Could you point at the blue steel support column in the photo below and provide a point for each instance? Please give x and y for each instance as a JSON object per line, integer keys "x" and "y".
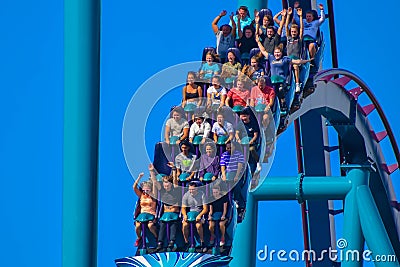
{"x": 376, "y": 237}
{"x": 244, "y": 243}
{"x": 81, "y": 120}
{"x": 316, "y": 163}
{"x": 352, "y": 232}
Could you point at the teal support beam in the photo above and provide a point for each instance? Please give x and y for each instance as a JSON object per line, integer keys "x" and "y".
{"x": 245, "y": 241}
{"x": 376, "y": 237}
{"x": 292, "y": 188}
{"x": 352, "y": 232}
{"x": 81, "y": 120}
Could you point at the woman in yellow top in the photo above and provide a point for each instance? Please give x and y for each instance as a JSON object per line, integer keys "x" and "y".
{"x": 147, "y": 206}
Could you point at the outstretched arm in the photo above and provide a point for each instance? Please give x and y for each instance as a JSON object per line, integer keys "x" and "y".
{"x": 239, "y": 27}
{"x": 322, "y": 13}
{"x": 262, "y": 48}
{"x": 284, "y": 13}
{"x": 276, "y": 18}
{"x": 257, "y": 20}
{"x": 289, "y": 12}
{"x": 135, "y": 185}
{"x": 214, "y": 23}
{"x": 301, "y": 61}
{"x": 156, "y": 184}
{"x": 300, "y": 14}
{"x": 174, "y": 173}
{"x": 233, "y": 32}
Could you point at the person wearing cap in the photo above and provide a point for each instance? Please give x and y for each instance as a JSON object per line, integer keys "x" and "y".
{"x": 200, "y": 128}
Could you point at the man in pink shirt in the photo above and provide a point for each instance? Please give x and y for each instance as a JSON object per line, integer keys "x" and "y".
{"x": 262, "y": 96}
{"x": 240, "y": 95}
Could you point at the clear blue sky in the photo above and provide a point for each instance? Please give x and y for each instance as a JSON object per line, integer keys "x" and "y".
{"x": 138, "y": 39}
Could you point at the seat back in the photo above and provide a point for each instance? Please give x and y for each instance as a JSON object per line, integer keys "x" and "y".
{"x": 206, "y": 50}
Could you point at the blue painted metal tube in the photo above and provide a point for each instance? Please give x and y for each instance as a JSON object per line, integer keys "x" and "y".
{"x": 244, "y": 244}
{"x": 288, "y": 188}
{"x": 376, "y": 237}
{"x": 81, "y": 119}
{"x": 352, "y": 233}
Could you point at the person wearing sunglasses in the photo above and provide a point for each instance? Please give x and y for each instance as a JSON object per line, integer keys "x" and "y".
{"x": 147, "y": 205}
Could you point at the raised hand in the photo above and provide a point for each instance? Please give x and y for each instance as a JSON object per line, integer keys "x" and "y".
{"x": 290, "y": 11}
{"x": 223, "y": 13}
{"x": 151, "y": 167}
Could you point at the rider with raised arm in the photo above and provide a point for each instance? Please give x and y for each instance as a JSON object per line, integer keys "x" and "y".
{"x": 147, "y": 205}
{"x": 294, "y": 43}
{"x": 311, "y": 27}
{"x": 280, "y": 70}
{"x": 242, "y": 19}
{"x": 225, "y": 34}
{"x": 273, "y": 36}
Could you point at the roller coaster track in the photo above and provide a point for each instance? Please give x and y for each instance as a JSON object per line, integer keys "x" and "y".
{"x": 336, "y": 100}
